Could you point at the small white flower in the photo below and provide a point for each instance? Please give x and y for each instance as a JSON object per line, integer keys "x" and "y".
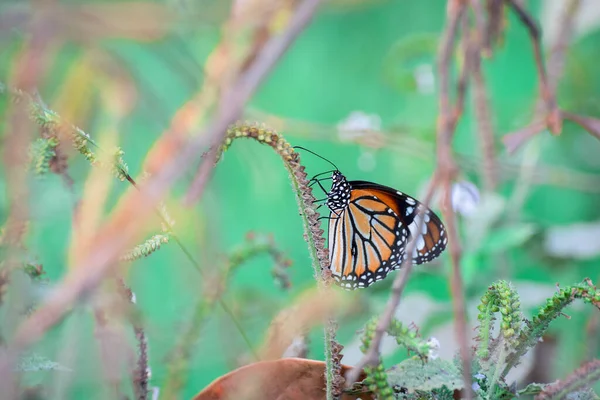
{"x": 479, "y": 376}
{"x": 357, "y": 124}
{"x": 425, "y": 78}
{"x": 465, "y": 198}
{"x": 434, "y": 346}
{"x": 475, "y": 386}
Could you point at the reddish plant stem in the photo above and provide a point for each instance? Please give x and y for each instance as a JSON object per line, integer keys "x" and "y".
{"x": 447, "y": 121}
{"x": 590, "y": 124}
{"x": 516, "y": 139}
{"x": 371, "y": 357}
{"x": 248, "y": 82}
{"x": 449, "y": 117}
{"x": 484, "y": 127}
{"x": 553, "y": 120}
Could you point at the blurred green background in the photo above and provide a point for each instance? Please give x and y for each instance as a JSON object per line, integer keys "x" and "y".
{"x": 372, "y": 57}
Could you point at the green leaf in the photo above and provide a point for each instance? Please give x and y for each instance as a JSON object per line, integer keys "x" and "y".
{"x": 402, "y": 61}
{"x": 532, "y": 388}
{"x": 413, "y": 375}
{"x": 507, "y": 237}
{"x": 34, "y": 362}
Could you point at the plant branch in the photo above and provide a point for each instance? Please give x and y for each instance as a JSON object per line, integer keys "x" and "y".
{"x": 553, "y": 120}
{"x": 310, "y": 217}
{"x": 590, "y": 124}
{"x": 371, "y": 357}
{"x": 535, "y": 329}
{"x": 444, "y": 172}
{"x": 248, "y": 82}
{"x": 141, "y": 372}
{"x": 447, "y": 169}
{"x": 548, "y": 82}
{"x": 483, "y": 117}
{"x": 179, "y": 357}
{"x": 583, "y": 377}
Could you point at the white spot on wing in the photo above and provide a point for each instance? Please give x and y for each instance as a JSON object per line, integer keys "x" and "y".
{"x": 420, "y": 242}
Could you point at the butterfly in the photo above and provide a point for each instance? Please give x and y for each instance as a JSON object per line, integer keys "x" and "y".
{"x": 370, "y": 227}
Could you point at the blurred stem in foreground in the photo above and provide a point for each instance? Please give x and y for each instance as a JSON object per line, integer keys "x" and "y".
{"x": 180, "y": 356}
{"x": 56, "y": 129}
{"x": 310, "y": 219}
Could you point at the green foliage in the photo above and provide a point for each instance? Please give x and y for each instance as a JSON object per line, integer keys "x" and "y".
{"x": 376, "y": 379}
{"x": 146, "y": 248}
{"x": 416, "y": 375}
{"x": 34, "y": 363}
{"x": 424, "y": 376}
{"x": 42, "y": 151}
{"x": 505, "y": 238}
{"x": 536, "y": 328}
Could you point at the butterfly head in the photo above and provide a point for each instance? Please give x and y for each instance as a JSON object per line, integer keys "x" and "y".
{"x": 338, "y": 197}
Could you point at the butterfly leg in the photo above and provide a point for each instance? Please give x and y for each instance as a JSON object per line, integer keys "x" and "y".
{"x": 315, "y": 180}
{"x": 322, "y": 188}
{"x": 336, "y": 212}
{"x": 328, "y": 218}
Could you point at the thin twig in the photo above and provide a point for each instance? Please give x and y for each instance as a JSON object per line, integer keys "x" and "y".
{"x": 556, "y": 58}
{"x": 371, "y": 356}
{"x": 484, "y": 125}
{"x": 555, "y": 66}
{"x": 553, "y": 120}
{"x": 590, "y": 124}
{"x": 312, "y": 225}
{"x": 449, "y": 118}
{"x": 141, "y": 372}
{"x": 447, "y": 169}
{"x": 399, "y": 142}
{"x": 198, "y": 268}
{"x": 248, "y": 82}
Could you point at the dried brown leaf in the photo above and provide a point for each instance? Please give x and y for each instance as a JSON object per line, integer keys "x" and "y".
{"x": 288, "y": 378}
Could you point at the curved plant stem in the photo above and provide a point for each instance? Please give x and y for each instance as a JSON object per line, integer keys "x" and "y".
{"x": 309, "y": 214}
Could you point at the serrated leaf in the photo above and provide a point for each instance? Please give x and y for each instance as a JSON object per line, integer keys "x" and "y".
{"x": 413, "y": 375}
{"x": 532, "y": 388}
{"x": 35, "y": 362}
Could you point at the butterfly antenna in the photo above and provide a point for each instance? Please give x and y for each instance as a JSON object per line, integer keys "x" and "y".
{"x": 315, "y": 154}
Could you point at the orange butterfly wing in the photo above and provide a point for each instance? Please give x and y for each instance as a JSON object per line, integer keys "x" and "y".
{"x": 368, "y": 238}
